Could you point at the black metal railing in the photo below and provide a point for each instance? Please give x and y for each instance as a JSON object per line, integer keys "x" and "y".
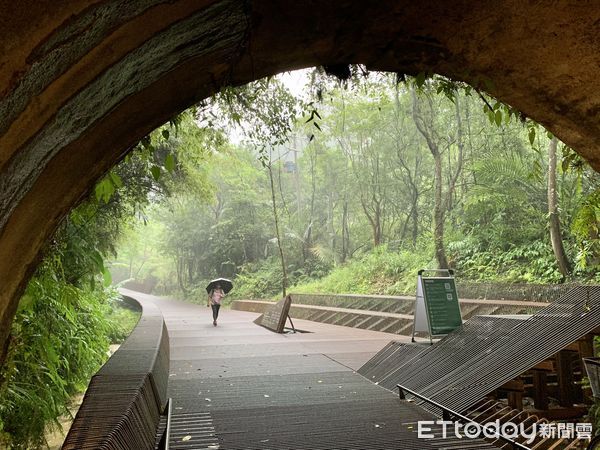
{"x": 449, "y": 414}
{"x": 164, "y": 440}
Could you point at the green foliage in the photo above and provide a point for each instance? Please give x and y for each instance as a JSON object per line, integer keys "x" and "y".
{"x": 379, "y": 271}
{"x": 214, "y": 235}
{"x": 586, "y": 230}
{"x": 265, "y": 111}
{"x": 594, "y": 416}
{"x": 528, "y": 263}
{"x": 59, "y": 339}
{"x": 197, "y": 293}
{"x": 262, "y": 279}
{"x": 121, "y": 318}
{"x": 489, "y": 215}
{"x": 140, "y": 256}
{"x": 363, "y": 180}
{"x": 259, "y": 280}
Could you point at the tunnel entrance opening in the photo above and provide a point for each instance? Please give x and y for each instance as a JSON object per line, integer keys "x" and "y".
{"x": 83, "y": 84}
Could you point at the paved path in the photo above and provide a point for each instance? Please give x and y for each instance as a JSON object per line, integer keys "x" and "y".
{"x": 240, "y": 386}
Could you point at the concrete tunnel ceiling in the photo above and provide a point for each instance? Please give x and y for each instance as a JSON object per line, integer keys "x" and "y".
{"x": 81, "y": 81}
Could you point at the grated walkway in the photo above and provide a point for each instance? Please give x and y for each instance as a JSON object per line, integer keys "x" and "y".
{"x": 487, "y": 351}
{"x": 240, "y": 386}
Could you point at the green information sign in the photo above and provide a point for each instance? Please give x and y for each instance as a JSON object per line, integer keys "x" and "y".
{"x": 441, "y": 304}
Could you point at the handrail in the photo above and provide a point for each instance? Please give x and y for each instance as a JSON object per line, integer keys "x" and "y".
{"x": 164, "y": 440}
{"x": 448, "y": 414}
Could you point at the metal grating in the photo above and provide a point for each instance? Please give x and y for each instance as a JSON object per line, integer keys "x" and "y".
{"x": 190, "y": 431}
{"x": 327, "y": 410}
{"x": 117, "y": 413}
{"x": 269, "y": 391}
{"x": 475, "y": 339}
{"x": 121, "y": 407}
{"x": 365, "y": 425}
{"x": 389, "y": 359}
{"x": 488, "y": 351}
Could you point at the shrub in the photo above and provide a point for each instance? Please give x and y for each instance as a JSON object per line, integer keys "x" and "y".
{"x": 378, "y": 272}
{"x": 59, "y": 339}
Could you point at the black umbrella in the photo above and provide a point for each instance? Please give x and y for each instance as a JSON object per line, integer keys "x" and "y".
{"x": 226, "y": 285}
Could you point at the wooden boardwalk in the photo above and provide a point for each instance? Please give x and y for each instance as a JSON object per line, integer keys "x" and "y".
{"x": 240, "y": 386}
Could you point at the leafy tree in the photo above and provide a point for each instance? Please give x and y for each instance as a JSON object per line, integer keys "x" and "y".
{"x": 425, "y": 122}
{"x": 374, "y": 163}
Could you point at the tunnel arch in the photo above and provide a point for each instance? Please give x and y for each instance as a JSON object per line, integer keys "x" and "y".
{"x": 83, "y": 81}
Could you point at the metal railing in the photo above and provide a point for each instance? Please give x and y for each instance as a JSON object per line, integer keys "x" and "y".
{"x": 448, "y": 414}
{"x": 164, "y": 440}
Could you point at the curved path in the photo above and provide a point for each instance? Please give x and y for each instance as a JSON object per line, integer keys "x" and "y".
{"x": 240, "y": 386}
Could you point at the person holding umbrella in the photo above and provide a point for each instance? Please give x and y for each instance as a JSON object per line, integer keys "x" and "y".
{"x": 216, "y": 291}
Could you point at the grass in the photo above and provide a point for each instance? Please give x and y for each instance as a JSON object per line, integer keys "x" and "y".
{"x": 378, "y": 272}
{"x": 122, "y": 319}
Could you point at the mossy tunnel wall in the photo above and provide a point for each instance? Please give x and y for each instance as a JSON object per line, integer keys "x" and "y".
{"x": 81, "y": 81}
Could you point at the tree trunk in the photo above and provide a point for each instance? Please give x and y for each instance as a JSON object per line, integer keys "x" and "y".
{"x": 439, "y": 205}
{"x": 555, "y": 235}
{"x": 415, "y": 205}
{"x": 415, "y": 226}
{"x": 438, "y": 215}
{"x": 330, "y": 224}
{"x": 377, "y": 229}
{"x": 345, "y": 231}
{"x": 374, "y": 220}
{"x": 278, "y": 235}
{"x": 181, "y": 273}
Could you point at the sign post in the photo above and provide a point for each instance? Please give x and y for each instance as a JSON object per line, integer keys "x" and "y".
{"x": 437, "y": 310}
